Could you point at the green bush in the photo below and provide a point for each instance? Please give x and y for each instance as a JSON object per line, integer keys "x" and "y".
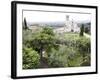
{"x": 83, "y": 44}
{"x": 30, "y": 58}
{"x": 71, "y": 53}
{"x": 59, "y": 58}
{"x": 84, "y": 48}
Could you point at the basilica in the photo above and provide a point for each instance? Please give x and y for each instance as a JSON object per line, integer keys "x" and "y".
{"x": 69, "y": 26}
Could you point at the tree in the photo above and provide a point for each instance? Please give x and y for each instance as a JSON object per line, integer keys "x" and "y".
{"x": 87, "y": 30}
{"x": 82, "y": 30}
{"x": 44, "y": 40}
{"x": 25, "y": 24}
{"x": 84, "y": 48}
{"x": 30, "y": 58}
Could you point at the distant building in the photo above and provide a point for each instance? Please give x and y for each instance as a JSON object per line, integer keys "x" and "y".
{"x": 70, "y": 26}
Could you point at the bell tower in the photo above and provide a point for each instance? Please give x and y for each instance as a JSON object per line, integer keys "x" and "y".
{"x": 67, "y": 17}
{"x": 67, "y": 23}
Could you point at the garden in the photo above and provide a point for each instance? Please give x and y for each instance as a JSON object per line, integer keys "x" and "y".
{"x": 45, "y": 49}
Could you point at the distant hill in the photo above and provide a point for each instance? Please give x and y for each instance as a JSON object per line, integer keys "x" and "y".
{"x": 51, "y": 24}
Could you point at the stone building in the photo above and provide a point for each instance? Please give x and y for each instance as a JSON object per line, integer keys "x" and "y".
{"x": 70, "y": 26}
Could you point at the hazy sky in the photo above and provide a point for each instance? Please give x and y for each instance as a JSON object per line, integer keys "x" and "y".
{"x": 37, "y": 16}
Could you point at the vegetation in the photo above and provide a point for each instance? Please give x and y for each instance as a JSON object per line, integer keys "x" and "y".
{"x": 46, "y": 49}
{"x": 30, "y": 58}
{"x": 82, "y": 30}
{"x": 25, "y": 24}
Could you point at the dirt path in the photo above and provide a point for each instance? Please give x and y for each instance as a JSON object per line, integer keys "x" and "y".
{"x": 44, "y": 63}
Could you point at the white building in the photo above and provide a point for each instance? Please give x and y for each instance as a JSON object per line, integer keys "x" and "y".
{"x": 70, "y": 26}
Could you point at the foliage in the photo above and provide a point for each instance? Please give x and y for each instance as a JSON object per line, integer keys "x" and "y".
{"x": 44, "y": 40}
{"x": 86, "y": 30}
{"x": 27, "y": 37}
{"x": 82, "y": 30}
{"x": 30, "y": 58}
{"x": 25, "y": 24}
{"x": 84, "y": 48}
{"x": 61, "y": 50}
{"x": 83, "y": 44}
{"x": 56, "y": 58}
{"x": 72, "y": 52}
{"x": 48, "y": 30}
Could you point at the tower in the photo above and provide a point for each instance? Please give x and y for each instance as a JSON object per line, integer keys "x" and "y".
{"x": 67, "y": 21}
{"x": 72, "y": 26}
{"x": 67, "y": 24}
{"x": 67, "y": 17}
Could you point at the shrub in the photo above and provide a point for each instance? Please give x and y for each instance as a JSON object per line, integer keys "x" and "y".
{"x": 70, "y": 54}
{"x": 30, "y": 58}
{"x": 59, "y": 58}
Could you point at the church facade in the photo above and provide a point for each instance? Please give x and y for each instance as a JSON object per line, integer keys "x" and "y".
{"x": 70, "y": 26}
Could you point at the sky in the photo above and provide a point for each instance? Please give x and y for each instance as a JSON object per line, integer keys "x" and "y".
{"x": 38, "y": 16}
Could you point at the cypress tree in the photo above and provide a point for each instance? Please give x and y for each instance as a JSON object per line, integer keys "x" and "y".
{"x": 25, "y": 24}
{"x": 82, "y": 30}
